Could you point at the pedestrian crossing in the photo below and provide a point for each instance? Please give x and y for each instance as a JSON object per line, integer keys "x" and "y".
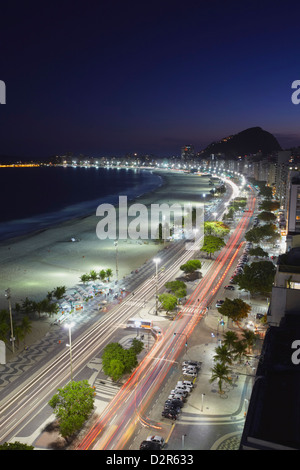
{"x": 105, "y": 389}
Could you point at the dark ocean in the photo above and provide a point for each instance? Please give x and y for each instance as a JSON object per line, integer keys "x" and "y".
{"x": 36, "y": 198}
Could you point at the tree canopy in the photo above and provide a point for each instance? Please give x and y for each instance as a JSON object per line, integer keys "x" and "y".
{"x": 257, "y": 278}
{"x": 269, "y": 206}
{"x": 178, "y": 288}
{"x": 168, "y": 301}
{"x": 266, "y": 216}
{"x": 117, "y": 361}
{"x": 258, "y": 251}
{"x": 235, "y": 309}
{"x": 217, "y": 228}
{"x": 212, "y": 244}
{"x": 191, "y": 266}
{"x": 15, "y": 446}
{"x": 265, "y": 232}
{"x": 266, "y": 191}
{"x": 72, "y": 406}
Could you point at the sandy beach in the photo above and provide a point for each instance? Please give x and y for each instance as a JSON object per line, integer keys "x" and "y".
{"x": 35, "y": 264}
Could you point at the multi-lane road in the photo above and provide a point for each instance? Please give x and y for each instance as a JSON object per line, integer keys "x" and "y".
{"x": 26, "y": 398}
{"x": 117, "y": 423}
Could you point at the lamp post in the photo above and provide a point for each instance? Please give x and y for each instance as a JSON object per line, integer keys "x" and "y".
{"x": 69, "y": 326}
{"x": 12, "y": 338}
{"x": 202, "y": 399}
{"x": 156, "y": 261}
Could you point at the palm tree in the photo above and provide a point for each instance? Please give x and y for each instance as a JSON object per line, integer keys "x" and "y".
{"x": 223, "y": 355}
{"x": 58, "y": 292}
{"x": 19, "y": 334}
{"x": 239, "y": 351}
{"x": 109, "y": 274}
{"x": 26, "y": 327}
{"x": 93, "y": 275}
{"x": 221, "y": 373}
{"x": 249, "y": 338}
{"x": 84, "y": 278}
{"x": 102, "y": 274}
{"x": 230, "y": 339}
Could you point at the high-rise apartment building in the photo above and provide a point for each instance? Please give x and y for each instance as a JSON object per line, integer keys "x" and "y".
{"x": 187, "y": 152}
{"x": 293, "y": 219}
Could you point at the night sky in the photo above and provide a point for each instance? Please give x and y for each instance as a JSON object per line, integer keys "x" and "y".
{"x": 111, "y": 77}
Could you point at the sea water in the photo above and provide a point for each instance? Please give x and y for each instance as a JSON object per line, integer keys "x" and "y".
{"x": 36, "y": 198}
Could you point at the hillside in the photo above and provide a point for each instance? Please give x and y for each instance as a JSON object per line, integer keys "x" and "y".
{"x": 249, "y": 141}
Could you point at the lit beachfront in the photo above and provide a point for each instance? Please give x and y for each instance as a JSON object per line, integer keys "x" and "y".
{"x": 34, "y": 265}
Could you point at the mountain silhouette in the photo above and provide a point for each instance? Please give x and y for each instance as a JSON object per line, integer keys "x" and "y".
{"x": 250, "y": 141}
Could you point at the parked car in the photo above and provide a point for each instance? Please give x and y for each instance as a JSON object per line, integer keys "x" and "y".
{"x": 178, "y": 391}
{"x": 174, "y": 402}
{"x": 157, "y": 439}
{"x": 229, "y": 287}
{"x": 190, "y": 369}
{"x": 259, "y": 315}
{"x": 148, "y": 445}
{"x": 190, "y": 363}
{"x": 169, "y": 414}
{"x": 171, "y": 407}
{"x": 181, "y": 386}
{"x": 189, "y": 373}
{"x": 219, "y": 303}
{"x": 176, "y": 396}
{"x": 188, "y": 383}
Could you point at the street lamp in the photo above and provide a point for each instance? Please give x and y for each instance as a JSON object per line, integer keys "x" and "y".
{"x": 12, "y": 338}
{"x": 202, "y": 399}
{"x": 69, "y": 326}
{"x": 156, "y": 261}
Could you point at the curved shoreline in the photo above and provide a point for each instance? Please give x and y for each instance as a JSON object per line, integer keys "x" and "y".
{"x": 24, "y": 227}
{"x": 34, "y": 264}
